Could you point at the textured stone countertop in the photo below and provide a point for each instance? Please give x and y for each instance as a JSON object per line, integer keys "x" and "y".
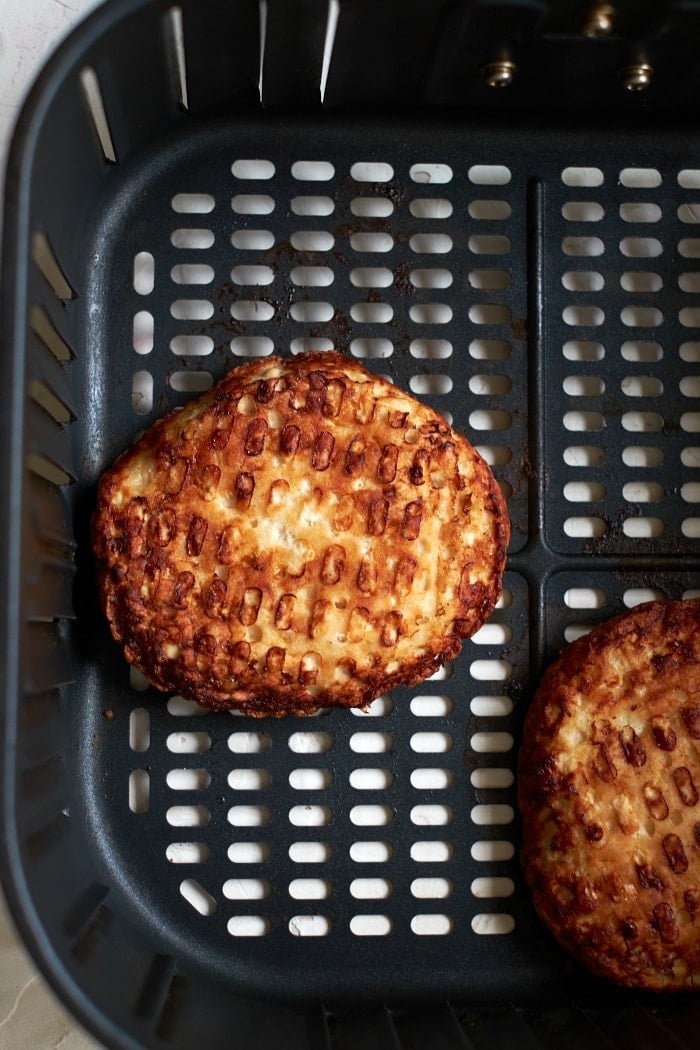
{"x": 31, "y": 1017}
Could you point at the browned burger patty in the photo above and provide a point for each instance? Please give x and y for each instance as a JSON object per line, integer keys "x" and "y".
{"x": 609, "y": 775}
{"x": 303, "y": 535}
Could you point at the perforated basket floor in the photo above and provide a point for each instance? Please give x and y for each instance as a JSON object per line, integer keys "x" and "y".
{"x": 540, "y": 286}
{"x": 542, "y": 305}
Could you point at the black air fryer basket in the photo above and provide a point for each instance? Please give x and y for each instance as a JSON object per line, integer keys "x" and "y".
{"x": 495, "y": 204}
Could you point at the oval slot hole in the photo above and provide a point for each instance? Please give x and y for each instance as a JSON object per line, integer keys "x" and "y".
{"x": 197, "y": 897}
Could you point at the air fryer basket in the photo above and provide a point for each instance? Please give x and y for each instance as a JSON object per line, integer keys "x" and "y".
{"x": 194, "y": 185}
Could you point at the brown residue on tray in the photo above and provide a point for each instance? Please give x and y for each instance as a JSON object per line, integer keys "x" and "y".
{"x": 402, "y": 279}
{"x": 526, "y": 466}
{"x": 518, "y": 326}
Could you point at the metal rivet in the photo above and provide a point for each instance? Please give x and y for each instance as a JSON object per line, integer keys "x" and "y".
{"x": 499, "y": 74}
{"x": 637, "y": 77}
{"x": 599, "y": 20}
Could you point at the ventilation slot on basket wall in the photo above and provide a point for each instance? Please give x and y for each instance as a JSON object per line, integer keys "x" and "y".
{"x": 176, "y": 42}
{"x": 46, "y": 261}
{"x": 45, "y": 330}
{"x": 95, "y": 103}
{"x": 45, "y": 467}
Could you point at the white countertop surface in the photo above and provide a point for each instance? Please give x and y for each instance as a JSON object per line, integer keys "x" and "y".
{"x": 29, "y": 31}
{"x": 31, "y": 1018}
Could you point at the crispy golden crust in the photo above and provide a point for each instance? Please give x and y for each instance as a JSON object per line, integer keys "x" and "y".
{"x": 608, "y": 791}
{"x": 303, "y": 535}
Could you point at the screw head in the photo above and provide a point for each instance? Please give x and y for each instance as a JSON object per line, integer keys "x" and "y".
{"x": 499, "y": 74}
{"x": 637, "y": 77}
{"x": 599, "y": 21}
